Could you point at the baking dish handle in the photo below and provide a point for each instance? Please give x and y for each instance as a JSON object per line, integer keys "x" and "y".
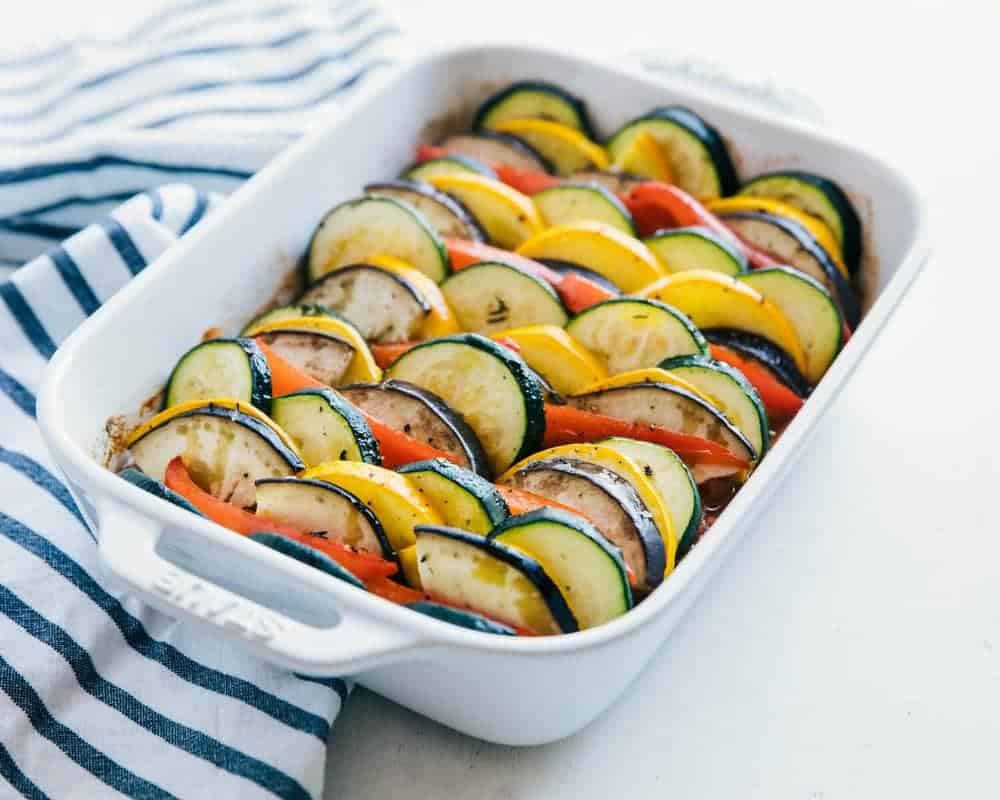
{"x": 356, "y": 641}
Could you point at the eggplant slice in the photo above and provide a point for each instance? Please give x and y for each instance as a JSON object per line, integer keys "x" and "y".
{"x": 493, "y": 147}
{"x": 422, "y": 415}
{"x": 325, "y": 358}
{"x": 383, "y": 306}
{"x": 445, "y": 214}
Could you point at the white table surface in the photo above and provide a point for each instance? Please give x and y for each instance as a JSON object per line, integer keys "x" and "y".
{"x": 851, "y": 646}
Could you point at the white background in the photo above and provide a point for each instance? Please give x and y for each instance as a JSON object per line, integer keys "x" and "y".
{"x": 851, "y": 647}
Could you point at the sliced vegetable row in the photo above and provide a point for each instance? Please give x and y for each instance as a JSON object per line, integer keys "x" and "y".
{"x": 604, "y": 330}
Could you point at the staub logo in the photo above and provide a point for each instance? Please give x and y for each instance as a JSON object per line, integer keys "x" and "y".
{"x": 210, "y": 603}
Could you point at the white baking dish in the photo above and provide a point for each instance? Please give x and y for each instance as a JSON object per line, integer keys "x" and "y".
{"x": 509, "y": 690}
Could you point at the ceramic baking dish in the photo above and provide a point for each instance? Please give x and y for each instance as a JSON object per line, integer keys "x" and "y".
{"x": 510, "y": 690}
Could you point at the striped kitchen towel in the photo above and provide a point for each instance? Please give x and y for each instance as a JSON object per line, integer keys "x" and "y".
{"x": 99, "y": 695}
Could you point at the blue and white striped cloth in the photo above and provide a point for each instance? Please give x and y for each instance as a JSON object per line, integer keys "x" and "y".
{"x": 99, "y": 695}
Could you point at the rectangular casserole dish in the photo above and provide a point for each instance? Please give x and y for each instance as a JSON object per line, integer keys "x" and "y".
{"x": 506, "y": 690}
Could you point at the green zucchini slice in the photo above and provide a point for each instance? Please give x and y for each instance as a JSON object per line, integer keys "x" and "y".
{"x": 578, "y": 202}
{"x": 681, "y": 249}
{"x": 789, "y": 241}
{"x": 462, "y": 498}
{"x": 233, "y": 368}
{"x": 445, "y": 214}
{"x": 467, "y": 570}
{"x": 224, "y": 449}
{"x": 697, "y": 154}
{"x": 628, "y": 333}
{"x": 588, "y": 569}
{"x": 534, "y": 100}
{"x": 610, "y": 501}
{"x": 810, "y": 309}
{"x": 733, "y": 394}
{"x": 382, "y": 305}
{"x": 367, "y": 226}
{"x": 138, "y": 478}
{"x": 488, "y": 384}
{"x": 820, "y": 197}
{"x": 306, "y": 555}
{"x": 674, "y": 482}
{"x": 325, "y": 427}
{"x": 464, "y": 619}
{"x": 324, "y": 510}
{"x": 492, "y": 296}
{"x": 446, "y": 165}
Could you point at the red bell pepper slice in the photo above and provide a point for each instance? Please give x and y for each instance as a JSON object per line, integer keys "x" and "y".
{"x": 427, "y": 152}
{"x": 526, "y": 181}
{"x": 568, "y": 425}
{"x": 385, "y": 354}
{"x": 362, "y": 565}
{"x": 780, "y": 401}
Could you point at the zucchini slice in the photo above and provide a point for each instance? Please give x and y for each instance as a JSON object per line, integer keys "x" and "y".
{"x": 382, "y": 305}
{"x": 389, "y": 495}
{"x": 609, "y": 501}
{"x": 673, "y": 480}
{"x": 325, "y": 427}
{"x": 143, "y": 481}
{"x": 467, "y": 570}
{"x": 319, "y": 347}
{"x": 489, "y": 385}
{"x": 233, "y": 368}
{"x": 533, "y": 100}
{"x": 820, "y": 197}
{"x": 589, "y": 571}
{"x": 287, "y": 312}
{"x": 624, "y": 261}
{"x": 668, "y": 406}
{"x": 306, "y": 555}
{"x": 507, "y": 216}
{"x": 224, "y": 445}
{"x": 763, "y": 351}
{"x": 730, "y": 392}
{"x": 627, "y": 333}
{"x": 323, "y": 510}
{"x": 789, "y": 241}
{"x": 446, "y": 165}
{"x": 557, "y": 357}
{"x": 564, "y": 147}
{"x": 445, "y": 214}
{"x": 492, "y": 296}
{"x": 462, "y": 498}
{"x": 576, "y": 202}
{"x": 682, "y": 249}
{"x": 567, "y": 267}
{"x": 697, "y": 154}
{"x": 712, "y": 300}
{"x": 494, "y": 148}
{"x": 357, "y": 229}
{"x": 464, "y": 619}
{"x": 810, "y": 309}
{"x": 422, "y": 415}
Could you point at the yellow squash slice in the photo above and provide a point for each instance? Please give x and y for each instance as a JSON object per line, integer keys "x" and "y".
{"x": 508, "y": 216}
